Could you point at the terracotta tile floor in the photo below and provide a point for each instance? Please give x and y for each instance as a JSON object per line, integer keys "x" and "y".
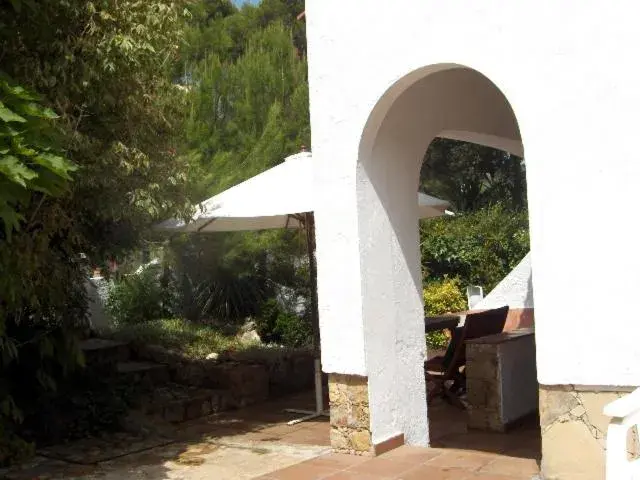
{"x": 409, "y": 463}
{"x": 455, "y": 453}
{"x": 248, "y": 443}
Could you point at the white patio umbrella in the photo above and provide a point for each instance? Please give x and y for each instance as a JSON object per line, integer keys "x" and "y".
{"x": 276, "y": 198}
{"x": 281, "y": 197}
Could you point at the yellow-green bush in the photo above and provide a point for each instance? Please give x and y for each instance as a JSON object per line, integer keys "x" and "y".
{"x": 444, "y": 296}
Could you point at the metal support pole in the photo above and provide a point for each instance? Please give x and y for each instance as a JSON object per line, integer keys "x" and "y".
{"x": 319, "y": 412}
{"x": 309, "y": 226}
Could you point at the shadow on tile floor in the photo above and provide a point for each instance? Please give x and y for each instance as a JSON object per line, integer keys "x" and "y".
{"x": 241, "y": 444}
{"x": 256, "y": 442}
{"x": 448, "y": 429}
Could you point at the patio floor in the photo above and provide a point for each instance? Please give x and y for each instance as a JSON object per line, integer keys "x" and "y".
{"x": 256, "y": 443}
{"x": 455, "y": 454}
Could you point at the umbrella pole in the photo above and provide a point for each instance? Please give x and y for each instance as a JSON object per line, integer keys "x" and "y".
{"x": 309, "y": 225}
{"x": 313, "y": 274}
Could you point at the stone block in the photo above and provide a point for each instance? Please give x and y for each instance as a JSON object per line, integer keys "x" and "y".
{"x": 174, "y": 412}
{"x": 339, "y": 440}
{"x": 189, "y": 374}
{"x": 349, "y": 414}
{"x": 290, "y": 373}
{"x": 339, "y": 414}
{"x": 220, "y": 401}
{"x": 303, "y": 371}
{"x": 197, "y": 407}
{"x": 246, "y": 383}
{"x": 205, "y": 407}
{"x": 555, "y": 403}
{"x": 484, "y": 364}
{"x": 360, "y": 440}
{"x": 476, "y": 392}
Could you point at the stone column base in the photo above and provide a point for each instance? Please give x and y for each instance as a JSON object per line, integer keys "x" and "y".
{"x": 502, "y": 385}
{"x": 574, "y": 431}
{"x": 349, "y": 408}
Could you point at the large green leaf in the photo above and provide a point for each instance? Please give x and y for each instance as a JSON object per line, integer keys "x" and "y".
{"x": 16, "y": 91}
{"x": 10, "y": 218}
{"x": 20, "y": 148}
{"x": 7, "y": 115}
{"x": 7, "y": 131}
{"x": 34, "y": 109}
{"x": 13, "y": 194}
{"x": 15, "y": 170}
{"x": 48, "y": 182}
{"x": 57, "y": 164}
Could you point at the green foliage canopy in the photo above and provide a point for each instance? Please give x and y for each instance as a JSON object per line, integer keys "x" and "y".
{"x": 249, "y": 114}
{"x": 104, "y": 68}
{"x": 473, "y": 176}
{"x": 480, "y": 247}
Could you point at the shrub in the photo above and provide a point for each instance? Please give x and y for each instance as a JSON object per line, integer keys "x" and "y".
{"x": 294, "y": 331}
{"x": 229, "y": 276}
{"x": 141, "y": 297}
{"x": 444, "y": 296}
{"x": 13, "y": 448}
{"x": 36, "y": 358}
{"x": 440, "y": 297}
{"x": 276, "y": 325}
{"x": 189, "y": 338}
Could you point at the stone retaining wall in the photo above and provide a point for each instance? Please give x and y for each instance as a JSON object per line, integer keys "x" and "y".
{"x": 247, "y": 380}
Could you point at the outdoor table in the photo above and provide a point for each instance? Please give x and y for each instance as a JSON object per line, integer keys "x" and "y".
{"x": 441, "y": 322}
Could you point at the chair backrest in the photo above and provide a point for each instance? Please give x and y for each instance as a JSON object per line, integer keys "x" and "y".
{"x": 476, "y": 325}
{"x": 489, "y": 322}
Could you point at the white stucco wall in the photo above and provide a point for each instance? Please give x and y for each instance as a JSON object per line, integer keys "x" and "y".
{"x": 515, "y": 290}
{"x": 567, "y": 70}
{"x": 574, "y": 92}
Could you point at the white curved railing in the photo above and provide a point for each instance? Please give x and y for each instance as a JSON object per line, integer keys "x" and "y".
{"x": 625, "y": 414}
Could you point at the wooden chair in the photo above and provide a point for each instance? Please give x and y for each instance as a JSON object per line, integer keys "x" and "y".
{"x": 442, "y": 369}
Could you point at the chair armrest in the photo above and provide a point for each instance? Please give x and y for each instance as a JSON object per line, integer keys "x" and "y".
{"x": 623, "y": 407}
{"x": 624, "y": 413}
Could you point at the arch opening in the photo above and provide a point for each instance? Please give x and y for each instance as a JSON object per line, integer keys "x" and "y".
{"x": 440, "y": 101}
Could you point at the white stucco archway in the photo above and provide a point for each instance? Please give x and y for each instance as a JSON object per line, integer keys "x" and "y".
{"x": 575, "y": 94}
{"x": 441, "y": 100}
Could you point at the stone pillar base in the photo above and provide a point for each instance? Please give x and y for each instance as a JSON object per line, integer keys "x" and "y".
{"x": 574, "y": 431}
{"x": 349, "y": 408}
{"x": 502, "y": 385}
{"x": 483, "y": 387}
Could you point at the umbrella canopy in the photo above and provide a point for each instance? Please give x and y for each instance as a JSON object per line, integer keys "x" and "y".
{"x": 273, "y": 199}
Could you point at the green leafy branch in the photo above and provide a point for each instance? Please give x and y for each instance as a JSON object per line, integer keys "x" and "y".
{"x": 29, "y": 161}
